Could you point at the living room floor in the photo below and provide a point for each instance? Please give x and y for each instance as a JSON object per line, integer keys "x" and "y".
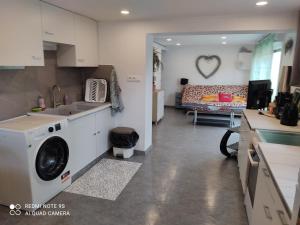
{"x": 184, "y": 180}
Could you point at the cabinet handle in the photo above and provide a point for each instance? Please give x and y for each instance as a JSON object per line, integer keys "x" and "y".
{"x": 282, "y": 217}
{"x": 267, "y": 212}
{"x": 266, "y": 172}
{"x": 98, "y": 132}
{"x": 36, "y": 57}
{"x": 95, "y": 134}
{"x": 49, "y": 33}
{"x": 80, "y": 60}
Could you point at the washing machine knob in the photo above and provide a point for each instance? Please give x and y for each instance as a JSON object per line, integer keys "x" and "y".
{"x": 50, "y": 129}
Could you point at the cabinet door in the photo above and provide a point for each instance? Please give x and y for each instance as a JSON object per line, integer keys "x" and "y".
{"x": 103, "y": 126}
{"x": 263, "y": 212}
{"x": 86, "y": 33}
{"x": 160, "y": 105}
{"x": 21, "y": 33}
{"x": 58, "y": 24}
{"x": 243, "y": 160}
{"x": 83, "y": 144}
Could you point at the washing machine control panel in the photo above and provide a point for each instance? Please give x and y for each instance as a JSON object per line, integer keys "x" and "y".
{"x": 56, "y": 127}
{"x": 48, "y": 130}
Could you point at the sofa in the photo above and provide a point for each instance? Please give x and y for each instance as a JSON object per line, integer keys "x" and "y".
{"x": 206, "y": 99}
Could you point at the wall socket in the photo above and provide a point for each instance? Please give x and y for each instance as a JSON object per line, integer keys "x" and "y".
{"x": 133, "y": 78}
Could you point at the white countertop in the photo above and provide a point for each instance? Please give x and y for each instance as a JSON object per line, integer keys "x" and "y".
{"x": 284, "y": 164}
{"x": 257, "y": 121}
{"x": 100, "y": 106}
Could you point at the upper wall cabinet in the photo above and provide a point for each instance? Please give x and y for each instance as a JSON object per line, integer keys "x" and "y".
{"x": 21, "y": 33}
{"x": 86, "y": 41}
{"x": 85, "y": 51}
{"x": 58, "y": 24}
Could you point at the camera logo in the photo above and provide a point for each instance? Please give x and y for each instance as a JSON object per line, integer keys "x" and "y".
{"x": 15, "y": 209}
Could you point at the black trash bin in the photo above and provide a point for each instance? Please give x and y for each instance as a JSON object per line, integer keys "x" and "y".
{"x": 123, "y": 140}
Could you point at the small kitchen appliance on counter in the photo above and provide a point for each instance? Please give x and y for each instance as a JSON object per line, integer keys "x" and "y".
{"x": 281, "y": 100}
{"x": 290, "y": 115}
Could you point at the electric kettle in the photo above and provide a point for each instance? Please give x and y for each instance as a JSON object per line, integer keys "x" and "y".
{"x": 290, "y": 115}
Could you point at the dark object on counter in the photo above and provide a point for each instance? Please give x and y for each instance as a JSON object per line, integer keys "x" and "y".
{"x": 259, "y": 94}
{"x": 290, "y": 115}
{"x": 281, "y": 100}
{"x": 123, "y": 137}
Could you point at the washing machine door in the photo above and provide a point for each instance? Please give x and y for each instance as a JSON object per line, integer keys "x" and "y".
{"x": 52, "y": 158}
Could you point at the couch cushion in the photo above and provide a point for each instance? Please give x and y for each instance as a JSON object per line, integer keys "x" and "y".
{"x": 225, "y": 97}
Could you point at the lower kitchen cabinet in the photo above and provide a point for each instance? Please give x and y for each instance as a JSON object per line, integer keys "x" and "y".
{"x": 104, "y": 124}
{"x": 268, "y": 207}
{"x": 83, "y": 142}
{"x": 89, "y": 138}
{"x": 244, "y": 145}
{"x": 262, "y": 211}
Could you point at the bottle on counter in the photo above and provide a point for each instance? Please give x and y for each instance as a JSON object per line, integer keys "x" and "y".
{"x": 272, "y": 107}
{"x": 41, "y": 103}
{"x": 66, "y": 99}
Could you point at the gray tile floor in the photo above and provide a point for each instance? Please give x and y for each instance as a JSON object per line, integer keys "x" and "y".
{"x": 183, "y": 181}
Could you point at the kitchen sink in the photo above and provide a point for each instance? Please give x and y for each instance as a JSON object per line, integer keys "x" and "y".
{"x": 277, "y": 137}
{"x": 74, "y": 108}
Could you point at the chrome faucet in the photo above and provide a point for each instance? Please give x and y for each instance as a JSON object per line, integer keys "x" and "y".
{"x": 56, "y": 92}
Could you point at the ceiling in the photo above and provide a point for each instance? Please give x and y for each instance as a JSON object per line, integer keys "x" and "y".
{"x": 105, "y": 10}
{"x": 231, "y": 39}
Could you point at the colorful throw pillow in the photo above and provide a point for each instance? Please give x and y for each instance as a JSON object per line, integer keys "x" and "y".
{"x": 225, "y": 97}
{"x": 239, "y": 99}
{"x": 210, "y": 98}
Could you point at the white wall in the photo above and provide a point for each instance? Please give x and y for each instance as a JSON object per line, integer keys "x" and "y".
{"x": 179, "y": 62}
{"x": 126, "y": 46}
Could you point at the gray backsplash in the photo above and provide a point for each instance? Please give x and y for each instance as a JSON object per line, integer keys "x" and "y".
{"x": 19, "y": 89}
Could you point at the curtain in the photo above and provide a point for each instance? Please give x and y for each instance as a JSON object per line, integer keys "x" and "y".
{"x": 295, "y": 79}
{"x": 262, "y": 59}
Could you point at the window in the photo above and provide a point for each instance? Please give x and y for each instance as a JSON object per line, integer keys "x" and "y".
{"x": 275, "y": 72}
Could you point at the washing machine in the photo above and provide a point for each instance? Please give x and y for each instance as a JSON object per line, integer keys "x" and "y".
{"x": 34, "y": 160}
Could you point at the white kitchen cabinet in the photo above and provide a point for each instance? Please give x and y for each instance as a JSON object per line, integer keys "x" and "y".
{"x": 58, "y": 24}
{"x": 263, "y": 212}
{"x": 21, "y": 33}
{"x": 103, "y": 126}
{"x": 83, "y": 144}
{"x": 86, "y": 41}
{"x": 85, "y": 51}
{"x": 158, "y": 107}
{"x": 89, "y": 138}
{"x": 244, "y": 144}
{"x": 268, "y": 206}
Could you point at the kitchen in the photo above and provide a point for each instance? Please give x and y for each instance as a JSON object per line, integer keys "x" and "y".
{"x": 268, "y": 161}
{"x": 50, "y": 52}
{"x": 46, "y": 69}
